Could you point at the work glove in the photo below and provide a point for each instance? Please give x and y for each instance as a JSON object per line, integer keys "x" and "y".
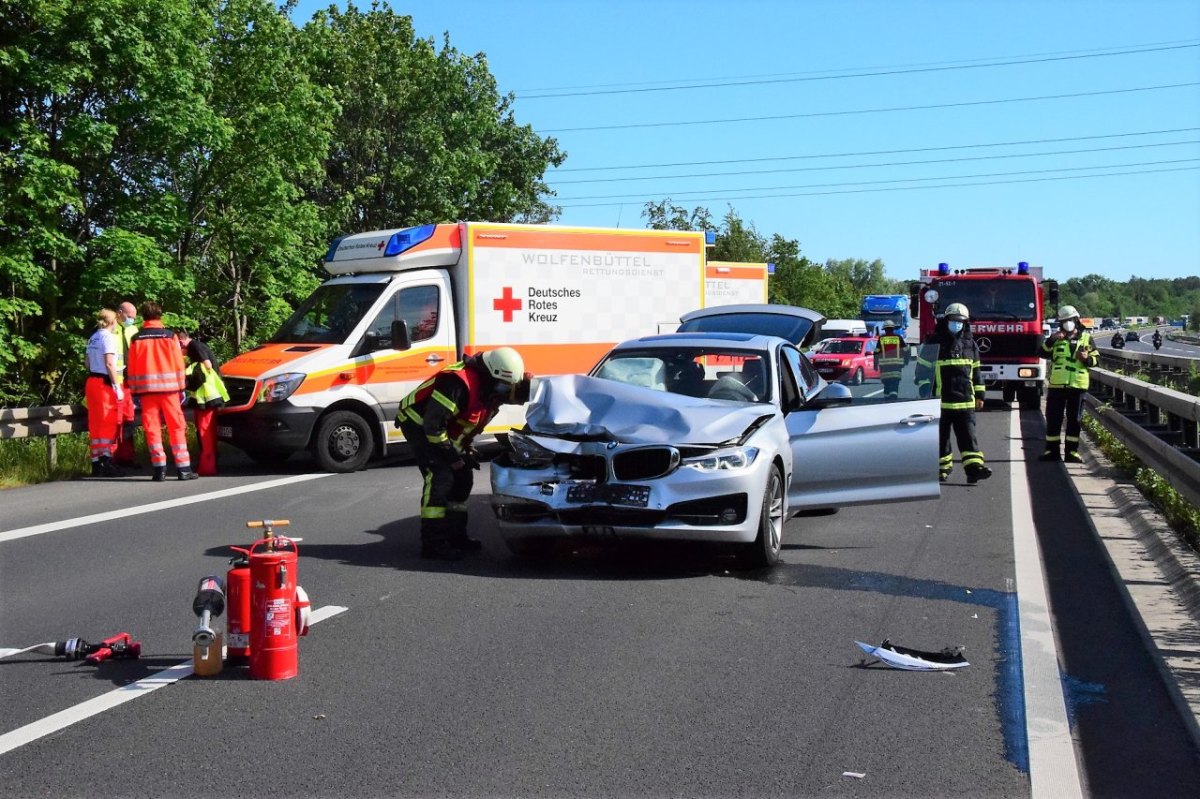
{"x": 470, "y": 456}
{"x": 396, "y": 422}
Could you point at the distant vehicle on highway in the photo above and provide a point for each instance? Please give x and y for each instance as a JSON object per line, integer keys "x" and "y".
{"x": 1132, "y": 335}
{"x": 848, "y": 360}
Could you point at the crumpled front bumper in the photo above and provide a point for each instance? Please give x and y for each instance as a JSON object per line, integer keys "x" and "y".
{"x": 685, "y": 505}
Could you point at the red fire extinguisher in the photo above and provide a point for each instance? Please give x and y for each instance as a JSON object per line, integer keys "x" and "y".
{"x": 273, "y": 609}
{"x": 237, "y": 598}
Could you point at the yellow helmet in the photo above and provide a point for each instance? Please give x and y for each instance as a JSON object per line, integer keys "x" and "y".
{"x": 504, "y": 364}
{"x": 958, "y": 311}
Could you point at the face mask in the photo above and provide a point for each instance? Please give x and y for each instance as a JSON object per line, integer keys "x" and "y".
{"x": 128, "y": 320}
{"x": 955, "y": 326}
{"x": 1068, "y": 327}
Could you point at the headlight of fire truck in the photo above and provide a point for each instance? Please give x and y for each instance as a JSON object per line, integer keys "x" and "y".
{"x": 280, "y": 387}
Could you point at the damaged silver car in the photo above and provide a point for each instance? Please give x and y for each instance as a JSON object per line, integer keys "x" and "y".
{"x": 713, "y": 437}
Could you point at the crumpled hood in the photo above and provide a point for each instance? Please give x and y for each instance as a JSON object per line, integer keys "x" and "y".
{"x": 578, "y": 405}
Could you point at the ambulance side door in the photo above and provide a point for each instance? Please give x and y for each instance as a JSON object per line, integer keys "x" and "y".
{"x": 390, "y": 374}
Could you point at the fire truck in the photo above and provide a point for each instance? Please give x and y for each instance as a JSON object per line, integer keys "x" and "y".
{"x": 1007, "y": 312}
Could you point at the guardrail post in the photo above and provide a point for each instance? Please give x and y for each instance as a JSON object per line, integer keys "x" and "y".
{"x": 52, "y": 452}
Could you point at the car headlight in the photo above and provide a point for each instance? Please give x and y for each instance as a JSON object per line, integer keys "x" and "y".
{"x": 730, "y": 460}
{"x": 280, "y": 387}
{"x": 528, "y": 453}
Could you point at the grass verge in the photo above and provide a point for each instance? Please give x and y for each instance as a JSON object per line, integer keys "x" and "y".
{"x": 1183, "y": 516}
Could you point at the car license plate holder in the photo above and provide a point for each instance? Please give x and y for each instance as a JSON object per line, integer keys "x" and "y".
{"x": 635, "y": 496}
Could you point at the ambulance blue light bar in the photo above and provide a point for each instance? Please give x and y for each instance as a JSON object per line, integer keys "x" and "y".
{"x": 770, "y": 269}
{"x": 710, "y": 238}
{"x": 943, "y": 269}
{"x": 1023, "y": 268}
{"x": 333, "y": 247}
{"x": 408, "y": 238}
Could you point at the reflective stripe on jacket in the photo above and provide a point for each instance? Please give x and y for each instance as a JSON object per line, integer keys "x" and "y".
{"x": 891, "y": 353}
{"x": 463, "y": 419}
{"x": 955, "y": 373}
{"x": 1066, "y": 370}
{"x": 155, "y": 361}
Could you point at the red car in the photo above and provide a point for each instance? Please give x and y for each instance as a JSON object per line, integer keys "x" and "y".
{"x": 849, "y": 360}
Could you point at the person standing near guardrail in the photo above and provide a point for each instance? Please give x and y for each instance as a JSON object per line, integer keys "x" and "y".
{"x": 1071, "y": 353}
{"x": 103, "y": 393}
{"x": 155, "y": 375}
{"x": 125, "y": 330}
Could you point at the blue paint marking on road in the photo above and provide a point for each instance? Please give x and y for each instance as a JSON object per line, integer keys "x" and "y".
{"x": 1010, "y": 685}
{"x": 1078, "y": 693}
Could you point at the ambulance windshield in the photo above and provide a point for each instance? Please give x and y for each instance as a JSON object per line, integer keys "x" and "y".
{"x": 330, "y": 314}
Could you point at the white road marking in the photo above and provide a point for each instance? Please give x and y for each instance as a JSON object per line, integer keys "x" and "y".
{"x": 119, "y": 696}
{"x": 1053, "y": 769}
{"x": 79, "y": 521}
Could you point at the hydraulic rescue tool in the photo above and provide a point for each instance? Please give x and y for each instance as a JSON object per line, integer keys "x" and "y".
{"x": 207, "y": 643}
{"x": 118, "y": 647}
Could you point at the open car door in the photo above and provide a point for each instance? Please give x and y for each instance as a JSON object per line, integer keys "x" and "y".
{"x": 860, "y": 450}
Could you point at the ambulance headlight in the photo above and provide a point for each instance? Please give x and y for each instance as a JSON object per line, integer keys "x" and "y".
{"x": 280, "y": 387}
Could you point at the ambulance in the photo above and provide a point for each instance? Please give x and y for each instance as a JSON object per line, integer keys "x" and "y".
{"x": 733, "y": 283}
{"x": 403, "y": 304}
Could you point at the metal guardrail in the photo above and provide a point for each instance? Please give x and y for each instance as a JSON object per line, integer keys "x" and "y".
{"x": 1159, "y": 425}
{"x": 50, "y": 420}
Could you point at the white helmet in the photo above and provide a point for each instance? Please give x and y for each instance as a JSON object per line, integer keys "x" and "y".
{"x": 1067, "y": 312}
{"x": 504, "y": 364}
{"x": 958, "y": 311}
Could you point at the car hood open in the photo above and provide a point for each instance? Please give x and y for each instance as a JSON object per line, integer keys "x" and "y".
{"x": 591, "y": 408}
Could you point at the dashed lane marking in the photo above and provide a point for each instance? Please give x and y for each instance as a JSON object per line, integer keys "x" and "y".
{"x": 79, "y": 521}
{"x": 119, "y": 696}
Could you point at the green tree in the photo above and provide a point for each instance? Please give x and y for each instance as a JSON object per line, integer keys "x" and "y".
{"x": 422, "y": 134}
{"x": 96, "y": 99}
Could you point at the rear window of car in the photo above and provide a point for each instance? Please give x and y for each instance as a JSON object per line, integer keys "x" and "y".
{"x": 792, "y": 328}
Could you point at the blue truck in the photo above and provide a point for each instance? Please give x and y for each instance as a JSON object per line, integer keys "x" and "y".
{"x": 879, "y": 308}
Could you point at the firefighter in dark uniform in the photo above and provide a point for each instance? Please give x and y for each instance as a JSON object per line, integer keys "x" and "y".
{"x": 891, "y": 356}
{"x": 954, "y": 376}
{"x": 439, "y": 419}
{"x": 1071, "y": 353}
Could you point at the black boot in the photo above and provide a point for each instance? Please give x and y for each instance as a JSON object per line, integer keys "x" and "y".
{"x": 186, "y": 473}
{"x": 95, "y": 468}
{"x": 107, "y": 467}
{"x": 1050, "y": 455}
{"x": 1072, "y": 456}
{"x": 978, "y": 473}
{"x": 160, "y": 474}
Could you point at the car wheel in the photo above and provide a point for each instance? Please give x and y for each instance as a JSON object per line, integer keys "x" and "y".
{"x": 764, "y": 552}
{"x": 857, "y": 380}
{"x": 344, "y": 442}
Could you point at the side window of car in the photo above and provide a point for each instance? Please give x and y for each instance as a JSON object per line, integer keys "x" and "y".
{"x": 799, "y": 380}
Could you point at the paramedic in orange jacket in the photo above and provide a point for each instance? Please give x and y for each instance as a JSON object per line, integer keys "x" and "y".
{"x": 155, "y": 375}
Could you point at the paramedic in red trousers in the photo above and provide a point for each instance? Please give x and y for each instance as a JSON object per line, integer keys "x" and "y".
{"x": 439, "y": 419}
{"x": 1071, "y": 353}
{"x": 205, "y": 394}
{"x": 155, "y": 375}
{"x": 125, "y": 331}
{"x": 954, "y": 376}
{"x": 103, "y": 393}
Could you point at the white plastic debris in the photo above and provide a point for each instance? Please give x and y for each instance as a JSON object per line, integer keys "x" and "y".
{"x": 900, "y": 657}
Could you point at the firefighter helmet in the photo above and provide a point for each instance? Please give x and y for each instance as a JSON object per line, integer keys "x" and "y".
{"x": 504, "y": 364}
{"x": 1067, "y": 312}
{"x": 958, "y": 311}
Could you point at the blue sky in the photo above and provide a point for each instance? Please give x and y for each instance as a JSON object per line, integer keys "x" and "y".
{"x": 818, "y": 172}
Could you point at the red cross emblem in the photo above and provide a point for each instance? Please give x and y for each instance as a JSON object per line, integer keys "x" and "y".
{"x": 508, "y": 304}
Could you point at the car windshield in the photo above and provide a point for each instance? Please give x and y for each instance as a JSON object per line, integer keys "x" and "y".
{"x": 715, "y": 373}
{"x": 990, "y": 299}
{"x": 330, "y": 314}
{"x": 792, "y": 328}
{"x": 842, "y": 347}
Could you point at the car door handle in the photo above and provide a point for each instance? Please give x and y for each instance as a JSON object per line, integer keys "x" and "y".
{"x": 917, "y": 418}
{"x": 434, "y": 359}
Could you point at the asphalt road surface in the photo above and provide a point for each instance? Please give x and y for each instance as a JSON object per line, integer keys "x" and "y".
{"x": 606, "y": 671}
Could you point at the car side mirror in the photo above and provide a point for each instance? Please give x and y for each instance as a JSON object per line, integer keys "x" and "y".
{"x": 830, "y": 396}
{"x": 401, "y": 340}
